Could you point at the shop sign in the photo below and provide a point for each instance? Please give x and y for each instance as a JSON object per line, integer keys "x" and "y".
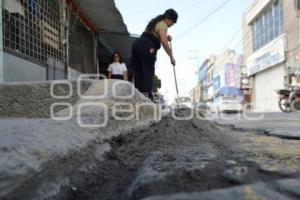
{"x": 270, "y": 55}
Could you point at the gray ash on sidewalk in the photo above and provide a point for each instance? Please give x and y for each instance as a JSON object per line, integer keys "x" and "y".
{"x": 171, "y": 156}
{"x": 189, "y": 159}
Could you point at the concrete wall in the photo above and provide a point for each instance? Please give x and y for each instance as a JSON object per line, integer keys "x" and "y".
{"x": 247, "y": 37}
{"x": 17, "y": 69}
{"x": 82, "y": 48}
{"x": 33, "y": 99}
{"x": 292, "y": 29}
{"x": 56, "y": 69}
{"x": 263, "y": 81}
{"x": 291, "y": 24}
{"x": 73, "y": 74}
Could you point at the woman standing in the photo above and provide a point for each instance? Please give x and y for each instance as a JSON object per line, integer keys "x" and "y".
{"x": 117, "y": 69}
{"x": 145, "y": 48}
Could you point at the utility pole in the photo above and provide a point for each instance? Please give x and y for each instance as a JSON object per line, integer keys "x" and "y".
{"x": 64, "y": 19}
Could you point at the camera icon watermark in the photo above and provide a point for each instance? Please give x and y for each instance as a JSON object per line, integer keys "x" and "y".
{"x": 62, "y": 117}
{"x": 102, "y": 110}
{"x": 95, "y": 76}
{"x": 60, "y": 83}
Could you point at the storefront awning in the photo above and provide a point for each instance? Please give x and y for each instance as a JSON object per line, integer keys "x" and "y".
{"x": 117, "y": 42}
{"x": 99, "y": 15}
{"x": 110, "y": 42}
{"x": 104, "y": 19}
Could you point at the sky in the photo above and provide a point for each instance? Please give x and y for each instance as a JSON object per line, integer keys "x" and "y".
{"x": 204, "y": 27}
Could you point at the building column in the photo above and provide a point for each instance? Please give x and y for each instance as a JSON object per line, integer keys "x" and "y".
{"x": 96, "y": 54}
{"x": 1, "y": 44}
{"x": 64, "y": 19}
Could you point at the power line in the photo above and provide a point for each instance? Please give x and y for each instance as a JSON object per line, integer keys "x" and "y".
{"x": 241, "y": 27}
{"x": 203, "y": 19}
{"x": 191, "y": 6}
{"x": 247, "y": 40}
{"x": 234, "y": 36}
{"x": 155, "y": 8}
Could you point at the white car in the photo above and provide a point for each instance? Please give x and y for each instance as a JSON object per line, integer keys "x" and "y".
{"x": 227, "y": 103}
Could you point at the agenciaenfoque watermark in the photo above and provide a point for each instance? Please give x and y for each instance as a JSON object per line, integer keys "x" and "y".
{"x": 126, "y": 107}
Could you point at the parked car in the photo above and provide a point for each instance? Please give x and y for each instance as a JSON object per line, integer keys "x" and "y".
{"x": 227, "y": 99}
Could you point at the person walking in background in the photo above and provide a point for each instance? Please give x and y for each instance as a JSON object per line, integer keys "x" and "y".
{"x": 144, "y": 50}
{"x": 117, "y": 69}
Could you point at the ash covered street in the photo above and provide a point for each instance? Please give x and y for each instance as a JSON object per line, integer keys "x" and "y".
{"x": 199, "y": 160}
{"x": 238, "y": 156}
{"x": 131, "y": 100}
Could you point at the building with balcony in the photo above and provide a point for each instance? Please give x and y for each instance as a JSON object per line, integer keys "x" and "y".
{"x": 271, "y": 41}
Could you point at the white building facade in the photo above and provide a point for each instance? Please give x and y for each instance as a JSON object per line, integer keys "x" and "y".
{"x": 271, "y": 38}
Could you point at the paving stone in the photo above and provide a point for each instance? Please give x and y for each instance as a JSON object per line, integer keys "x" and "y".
{"x": 257, "y": 191}
{"x": 290, "y": 186}
{"x": 283, "y": 167}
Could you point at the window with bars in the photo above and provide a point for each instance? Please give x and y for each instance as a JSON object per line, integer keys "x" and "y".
{"x": 268, "y": 26}
{"x": 32, "y": 28}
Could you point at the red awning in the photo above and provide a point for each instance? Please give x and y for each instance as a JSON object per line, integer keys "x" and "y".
{"x": 76, "y": 9}
{"x": 99, "y": 15}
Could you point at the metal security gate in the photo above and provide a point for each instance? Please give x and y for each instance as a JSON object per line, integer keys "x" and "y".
{"x": 32, "y": 30}
{"x": 82, "y": 47}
